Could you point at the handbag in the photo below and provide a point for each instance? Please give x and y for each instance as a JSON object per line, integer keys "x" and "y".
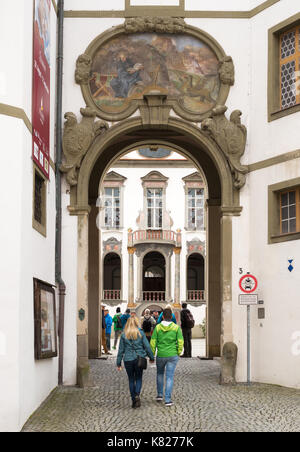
{"x": 142, "y": 362}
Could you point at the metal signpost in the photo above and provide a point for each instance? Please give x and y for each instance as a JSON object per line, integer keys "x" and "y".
{"x": 248, "y": 284}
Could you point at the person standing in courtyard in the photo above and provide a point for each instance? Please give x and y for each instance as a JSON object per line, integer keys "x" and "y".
{"x": 167, "y": 339}
{"x": 117, "y": 327}
{"x": 133, "y": 344}
{"x": 160, "y": 318}
{"x": 124, "y": 318}
{"x": 148, "y": 324}
{"x": 108, "y": 325}
{"x": 103, "y": 330}
{"x": 187, "y": 323}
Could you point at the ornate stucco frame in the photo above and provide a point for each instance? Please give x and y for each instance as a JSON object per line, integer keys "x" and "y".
{"x": 84, "y": 63}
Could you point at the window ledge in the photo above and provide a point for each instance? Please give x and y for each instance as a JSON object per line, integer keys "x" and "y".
{"x": 277, "y": 238}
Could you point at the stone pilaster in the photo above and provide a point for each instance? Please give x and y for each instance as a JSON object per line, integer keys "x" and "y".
{"x": 177, "y": 304}
{"x": 131, "y": 252}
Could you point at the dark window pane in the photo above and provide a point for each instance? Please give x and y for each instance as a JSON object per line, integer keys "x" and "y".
{"x": 292, "y": 225}
{"x": 292, "y": 197}
{"x": 285, "y": 227}
{"x": 285, "y": 213}
{"x": 292, "y": 211}
{"x": 38, "y": 199}
{"x": 284, "y": 199}
{"x": 108, "y": 192}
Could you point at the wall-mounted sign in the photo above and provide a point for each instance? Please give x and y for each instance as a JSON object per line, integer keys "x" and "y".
{"x": 41, "y": 86}
{"x": 248, "y": 299}
{"x": 248, "y": 283}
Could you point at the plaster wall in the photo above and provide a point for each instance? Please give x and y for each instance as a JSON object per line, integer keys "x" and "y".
{"x": 25, "y": 382}
{"x": 220, "y": 5}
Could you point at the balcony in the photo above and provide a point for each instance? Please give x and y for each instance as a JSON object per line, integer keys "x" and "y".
{"x": 154, "y": 236}
{"x": 196, "y": 297}
{"x": 154, "y": 296}
{"x": 112, "y": 297}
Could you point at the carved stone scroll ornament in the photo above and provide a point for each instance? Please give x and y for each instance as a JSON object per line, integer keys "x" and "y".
{"x": 83, "y": 69}
{"x": 226, "y": 71}
{"x": 77, "y": 139}
{"x": 231, "y": 136}
{"x": 155, "y": 25}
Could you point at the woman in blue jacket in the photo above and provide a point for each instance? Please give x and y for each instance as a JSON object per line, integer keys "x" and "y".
{"x": 133, "y": 343}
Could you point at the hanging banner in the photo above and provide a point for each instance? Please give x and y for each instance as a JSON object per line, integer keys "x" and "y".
{"x": 41, "y": 86}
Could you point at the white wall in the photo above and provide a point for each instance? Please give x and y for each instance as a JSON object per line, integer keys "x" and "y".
{"x": 25, "y": 383}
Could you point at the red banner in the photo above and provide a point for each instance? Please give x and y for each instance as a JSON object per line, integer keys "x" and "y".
{"x": 41, "y": 86}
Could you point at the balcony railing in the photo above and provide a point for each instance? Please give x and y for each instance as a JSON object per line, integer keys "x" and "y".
{"x": 195, "y": 295}
{"x": 153, "y": 236}
{"x": 111, "y": 295}
{"x": 154, "y": 296}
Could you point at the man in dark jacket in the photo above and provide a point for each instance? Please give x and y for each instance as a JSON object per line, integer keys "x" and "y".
{"x": 186, "y": 326}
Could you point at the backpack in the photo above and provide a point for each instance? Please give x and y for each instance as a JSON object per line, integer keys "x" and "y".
{"x": 189, "y": 321}
{"x": 119, "y": 325}
{"x": 147, "y": 325}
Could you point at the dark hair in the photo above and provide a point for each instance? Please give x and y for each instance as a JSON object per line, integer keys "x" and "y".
{"x": 127, "y": 311}
{"x": 184, "y": 305}
{"x": 118, "y": 310}
{"x": 167, "y": 314}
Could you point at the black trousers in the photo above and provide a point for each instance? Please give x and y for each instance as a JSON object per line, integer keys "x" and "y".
{"x": 187, "y": 336}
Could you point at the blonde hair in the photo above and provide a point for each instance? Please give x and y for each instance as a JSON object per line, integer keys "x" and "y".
{"x": 132, "y": 329}
{"x": 169, "y": 307}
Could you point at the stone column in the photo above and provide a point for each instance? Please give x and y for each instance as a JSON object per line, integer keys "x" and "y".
{"x": 226, "y": 278}
{"x": 82, "y": 300}
{"x": 214, "y": 303}
{"x": 131, "y": 252}
{"x": 177, "y": 304}
{"x": 168, "y": 277}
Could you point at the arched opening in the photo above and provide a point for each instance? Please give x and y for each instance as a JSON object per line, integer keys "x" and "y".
{"x": 112, "y": 277}
{"x": 222, "y": 204}
{"x": 195, "y": 277}
{"x": 154, "y": 282}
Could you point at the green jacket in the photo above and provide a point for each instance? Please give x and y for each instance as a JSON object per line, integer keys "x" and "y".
{"x": 168, "y": 340}
{"x": 115, "y": 320}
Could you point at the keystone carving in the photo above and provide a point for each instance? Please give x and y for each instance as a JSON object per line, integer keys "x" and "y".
{"x": 154, "y": 24}
{"x": 226, "y": 71}
{"x": 83, "y": 69}
{"x": 77, "y": 139}
{"x": 231, "y": 136}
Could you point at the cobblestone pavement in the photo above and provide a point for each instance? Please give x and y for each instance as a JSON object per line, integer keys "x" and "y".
{"x": 201, "y": 405}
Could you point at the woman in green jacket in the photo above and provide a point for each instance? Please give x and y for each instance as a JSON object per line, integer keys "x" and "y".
{"x": 167, "y": 338}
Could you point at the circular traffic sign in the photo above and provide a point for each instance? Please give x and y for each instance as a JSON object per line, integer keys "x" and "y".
{"x": 248, "y": 283}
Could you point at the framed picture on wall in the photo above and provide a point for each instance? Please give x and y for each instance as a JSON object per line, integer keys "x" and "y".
{"x": 44, "y": 320}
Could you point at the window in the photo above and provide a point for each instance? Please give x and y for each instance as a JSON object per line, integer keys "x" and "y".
{"x": 39, "y": 202}
{"x": 289, "y": 212}
{"x": 284, "y": 68}
{"x": 44, "y": 320}
{"x": 290, "y": 68}
{"x": 196, "y": 208}
{"x": 284, "y": 211}
{"x": 112, "y": 217}
{"x": 154, "y": 208}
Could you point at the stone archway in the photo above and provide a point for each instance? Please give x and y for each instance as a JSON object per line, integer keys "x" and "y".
{"x": 222, "y": 204}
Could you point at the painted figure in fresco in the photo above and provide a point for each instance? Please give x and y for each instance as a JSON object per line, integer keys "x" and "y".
{"x": 128, "y": 75}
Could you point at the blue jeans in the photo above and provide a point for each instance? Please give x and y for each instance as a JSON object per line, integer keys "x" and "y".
{"x": 168, "y": 365}
{"x": 135, "y": 376}
{"x": 108, "y": 341}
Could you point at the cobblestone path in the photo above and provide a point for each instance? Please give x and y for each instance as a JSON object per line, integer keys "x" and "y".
{"x": 201, "y": 405}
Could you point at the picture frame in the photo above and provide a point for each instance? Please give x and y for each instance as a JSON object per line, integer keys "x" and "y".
{"x": 44, "y": 321}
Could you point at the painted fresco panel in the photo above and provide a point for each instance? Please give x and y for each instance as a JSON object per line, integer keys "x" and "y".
{"x": 128, "y": 67}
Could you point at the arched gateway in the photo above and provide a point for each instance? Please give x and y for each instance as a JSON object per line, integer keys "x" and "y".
{"x": 216, "y": 148}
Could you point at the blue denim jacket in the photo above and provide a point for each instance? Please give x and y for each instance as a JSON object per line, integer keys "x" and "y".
{"x": 129, "y": 350}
